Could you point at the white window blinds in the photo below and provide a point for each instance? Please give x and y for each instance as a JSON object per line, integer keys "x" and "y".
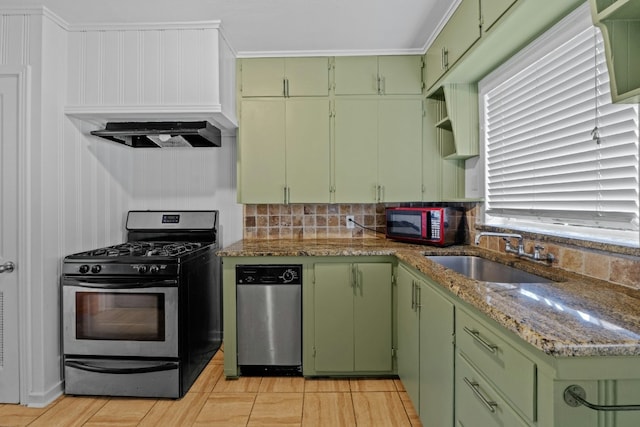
{"x": 557, "y": 150}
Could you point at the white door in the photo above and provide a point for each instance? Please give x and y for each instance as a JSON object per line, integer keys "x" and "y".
{"x": 10, "y": 90}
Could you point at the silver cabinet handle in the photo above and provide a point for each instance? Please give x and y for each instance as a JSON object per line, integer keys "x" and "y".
{"x": 7, "y": 267}
{"x": 490, "y": 404}
{"x": 476, "y": 336}
{"x": 574, "y": 395}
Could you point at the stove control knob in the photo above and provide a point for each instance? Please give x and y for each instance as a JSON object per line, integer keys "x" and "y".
{"x": 143, "y": 269}
{"x": 96, "y": 269}
{"x": 83, "y": 269}
{"x": 154, "y": 269}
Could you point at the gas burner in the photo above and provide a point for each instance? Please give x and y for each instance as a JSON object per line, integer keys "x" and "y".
{"x": 173, "y": 249}
{"x": 144, "y": 249}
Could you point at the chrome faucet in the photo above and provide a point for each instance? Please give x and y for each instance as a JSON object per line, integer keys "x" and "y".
{"x": 519, "y": 251}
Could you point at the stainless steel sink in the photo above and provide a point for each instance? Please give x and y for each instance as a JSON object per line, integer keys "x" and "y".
{"x": 486, "y": 270}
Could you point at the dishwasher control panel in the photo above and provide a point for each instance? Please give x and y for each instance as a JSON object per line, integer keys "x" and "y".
{"x": 269, "y": 274}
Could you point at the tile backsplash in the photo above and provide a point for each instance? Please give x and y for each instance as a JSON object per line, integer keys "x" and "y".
{"x": 312, "y": 221}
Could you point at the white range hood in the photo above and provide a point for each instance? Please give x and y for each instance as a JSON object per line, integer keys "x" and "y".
{"x": 166, "y": 72}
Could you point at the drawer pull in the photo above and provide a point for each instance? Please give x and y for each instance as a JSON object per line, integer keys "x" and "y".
{"x": 476, "y": 336}
{"x": 491, "y": 405}
{"x": 574, "y": 395}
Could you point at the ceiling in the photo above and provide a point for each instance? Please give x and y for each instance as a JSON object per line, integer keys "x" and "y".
{"x": 279, "y": 27}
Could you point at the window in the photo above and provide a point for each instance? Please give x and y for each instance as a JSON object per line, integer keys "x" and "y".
{"x": 556, "y": 151}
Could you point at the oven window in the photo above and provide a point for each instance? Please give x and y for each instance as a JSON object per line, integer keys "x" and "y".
{"x": 120, "y": 316}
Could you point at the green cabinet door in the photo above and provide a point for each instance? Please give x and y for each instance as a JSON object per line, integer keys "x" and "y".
{"x": 356, "y": 75}
{"x": 308, "y": 146}
{"x": 460, "y": 32}
{"x": 436, "y": 357}
{"x": 408, "y": 353}
{"x": 356, "y": 151}
{"x": 400, "y": 75}
{"x": 352, "y": 317}
{"x": 262, "y": 77}
{"x": 280, "y": 77}
{"x": 307, "y": 76}
{"x": 333, "y": 294}
{"x": 400, "y": 150}
{"x": 434, "y": 65}
{"x": 372, "y": 318}
{"x": 261, "y": 174}
{"x": 426, "y": 348}
{"x": 491, "y": 11}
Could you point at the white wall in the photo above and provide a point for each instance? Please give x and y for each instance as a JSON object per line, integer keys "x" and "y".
{"x": 188, "y": 178}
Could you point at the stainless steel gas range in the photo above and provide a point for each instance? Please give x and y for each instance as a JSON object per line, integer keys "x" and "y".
{"x": 143, "y": 318}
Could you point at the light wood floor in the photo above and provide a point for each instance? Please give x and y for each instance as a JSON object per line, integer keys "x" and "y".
{"x": 247, "y": 401}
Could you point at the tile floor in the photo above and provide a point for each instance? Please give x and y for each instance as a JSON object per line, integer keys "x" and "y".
{"x": 246, "y": 401}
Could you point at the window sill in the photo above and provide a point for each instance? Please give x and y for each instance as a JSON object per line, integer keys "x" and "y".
{"x": 578, "y": 243}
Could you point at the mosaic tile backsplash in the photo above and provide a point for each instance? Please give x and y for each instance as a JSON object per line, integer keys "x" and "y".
{"x": 312, "y": 221}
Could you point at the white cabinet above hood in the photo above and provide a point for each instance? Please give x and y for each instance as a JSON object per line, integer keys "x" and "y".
{"x": 151, "y": 72}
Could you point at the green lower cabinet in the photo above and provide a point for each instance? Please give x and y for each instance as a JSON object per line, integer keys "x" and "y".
{"x": 352, "y": 305}
{"x": 425, "y": 348}
{"x": 478, "y": 404}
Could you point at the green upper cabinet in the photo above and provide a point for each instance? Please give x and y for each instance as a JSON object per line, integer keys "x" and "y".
{"x": 619, "y": 21}
{"x": 284, "y": 77}
{"x": 378, "y": 146}
{"x": 261, "y": 175}
{"x": 399, "y": 150}
{"x": 491, "y": 11}
{"x": 460, "y": 32}
{"x": 378, "y": 75}
{"x": 356, "y": 151}
{"x": 284, "y": 151}
{"x": 352, "y": 318}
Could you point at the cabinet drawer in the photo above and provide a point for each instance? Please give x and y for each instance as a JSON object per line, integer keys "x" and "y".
{"x": 509, "y": 371}
{"x": 477, "y": 403}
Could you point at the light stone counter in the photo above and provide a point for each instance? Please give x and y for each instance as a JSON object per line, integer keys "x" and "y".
{"x": 573, "y": 316}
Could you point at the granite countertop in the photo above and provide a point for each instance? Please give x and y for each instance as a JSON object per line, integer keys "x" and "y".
{"x": 572, "y": 316}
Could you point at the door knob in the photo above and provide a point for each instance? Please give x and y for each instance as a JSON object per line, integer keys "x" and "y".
{"x": 7, "y": 267}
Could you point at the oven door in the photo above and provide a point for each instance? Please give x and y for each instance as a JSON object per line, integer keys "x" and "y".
{"x": 120, "y": 317}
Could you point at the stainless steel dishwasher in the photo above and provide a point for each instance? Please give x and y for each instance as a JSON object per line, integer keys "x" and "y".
{"x": 269, "y": 319}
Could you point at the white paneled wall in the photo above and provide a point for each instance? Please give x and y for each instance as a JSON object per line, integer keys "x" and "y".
{"x": 80, "y": 187}
{"x": 68, "y": 189}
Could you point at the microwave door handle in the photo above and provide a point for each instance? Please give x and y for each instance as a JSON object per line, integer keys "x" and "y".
{"x": 102, "y": 370}
{"x": 127, "y": 285}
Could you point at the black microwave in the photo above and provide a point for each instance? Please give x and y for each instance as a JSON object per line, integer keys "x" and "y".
{"x": 437, "y": 226}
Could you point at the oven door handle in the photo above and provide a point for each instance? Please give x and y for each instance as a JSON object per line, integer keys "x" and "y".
{"x": 102, "y": 370}
{"x": 124, "y": 285}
